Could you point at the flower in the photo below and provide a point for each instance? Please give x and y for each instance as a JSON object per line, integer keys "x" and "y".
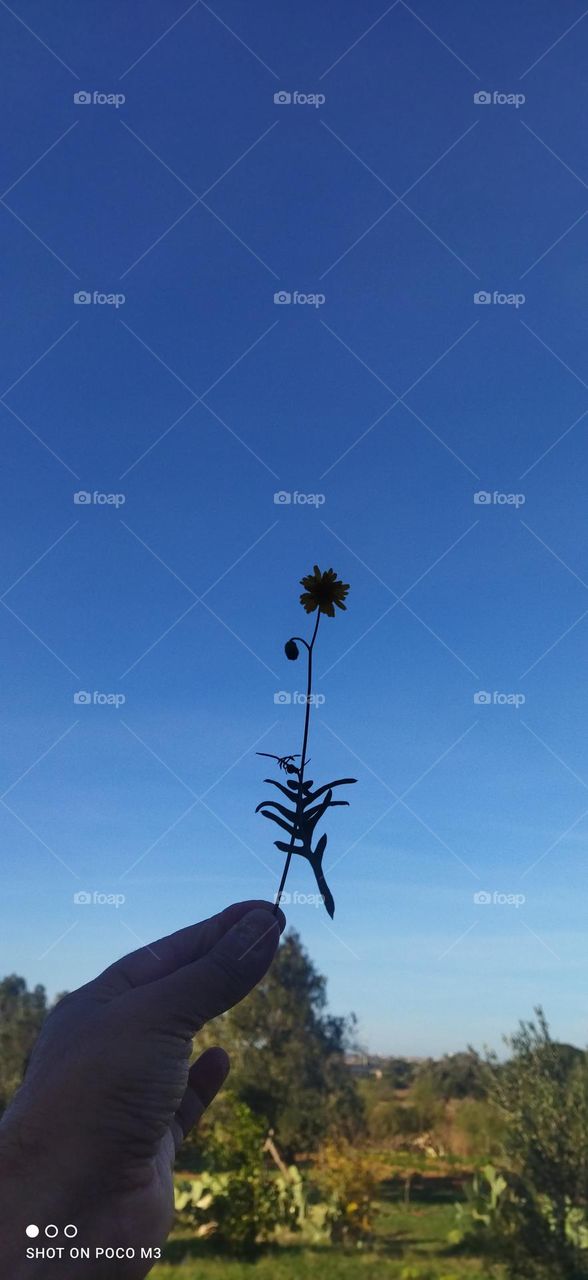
{"x": 323, "y": 591}
{"x": 291, "y": 650}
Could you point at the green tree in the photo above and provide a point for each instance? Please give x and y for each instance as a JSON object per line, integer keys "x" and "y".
{"x": 457, "y": 1075}
{"x": 542, "y": 1092}
{"x": 425, "y": 1103}
{"x": 238, "y": 1197}
{"x": 481, "y": 1127}
{"x": 399, "y": 1073}
{"x": 22, "y": 1013}
{"x": 287, "y": 1054}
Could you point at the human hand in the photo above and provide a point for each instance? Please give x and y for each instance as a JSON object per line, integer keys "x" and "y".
{"x": 91, "y": 1137}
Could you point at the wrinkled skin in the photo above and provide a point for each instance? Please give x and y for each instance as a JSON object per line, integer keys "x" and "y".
{"x": 91, "y": 1136}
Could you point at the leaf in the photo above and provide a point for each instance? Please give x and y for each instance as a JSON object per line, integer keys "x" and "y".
{"x": 300, "y": 822}
{"x": 280, "y": 787}
{"x": 327, "y": 896}
{"x": 339, "y": 783}
{"x": 274, "y": 804}
{"x": 292, "y": 848}
{"x": 316, "y": 864}
{"x": 280, "y": 822}
{"x": 320, "y": 849}
{"x": 318, "y": 813}
{"x": 332, "y": 804}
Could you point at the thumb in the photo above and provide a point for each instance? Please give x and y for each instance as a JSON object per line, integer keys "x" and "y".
{"x": 197, "y": 992}
{"x": 205, "y": 1078}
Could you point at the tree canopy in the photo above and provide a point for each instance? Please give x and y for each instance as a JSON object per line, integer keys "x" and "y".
{"x": 457, "y": 1075}
{"x": 22, "y": 1013}
{"x": 287, "y": 1053}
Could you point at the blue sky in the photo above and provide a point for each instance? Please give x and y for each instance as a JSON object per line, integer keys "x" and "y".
{"x": 394, "y": 396}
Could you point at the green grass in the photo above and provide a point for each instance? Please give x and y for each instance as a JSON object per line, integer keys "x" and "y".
{"x": 411, "y": 1245}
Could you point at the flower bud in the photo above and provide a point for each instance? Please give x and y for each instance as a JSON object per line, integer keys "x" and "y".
{"x": 291, "y": 650}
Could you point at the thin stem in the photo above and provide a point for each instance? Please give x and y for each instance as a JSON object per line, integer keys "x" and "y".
{"x": 302, "y": 641}
{"x": 300, "y": 771}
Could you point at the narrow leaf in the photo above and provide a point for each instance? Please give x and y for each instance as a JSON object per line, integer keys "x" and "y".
{"x": 340, "y": 782}
{"x": 320, "y": 849}
{"x": 281, "y": 808}
{"x": 280, "y": 787}
{"x": 318, "y": 812}
{"x": 320, "y": 809}
{"x": 283, "y": 847}
{"x": 280, "y": 822}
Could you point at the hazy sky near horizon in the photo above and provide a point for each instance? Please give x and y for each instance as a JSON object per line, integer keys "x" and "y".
{"x": 378, "y": 197}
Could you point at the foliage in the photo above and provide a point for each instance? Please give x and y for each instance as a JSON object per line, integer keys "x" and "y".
{"x": 479, "y": 1215}
{"x": 300, "y": 820}
{"x": 385, "y": 1120}
{"x": 543, "y": 1092}
{"x": 507, "y": 1220}
{"x": 242, "y": 1208}
{"x": 407, "y": 1239}
{"x": 231, "y": 1135}
{"x": 418, "y": 1273}
{"x": 403, "y": 1123}
{"x": 481, "y": 1127}
{"x": 347, "y": 1181}
{"x": 22, "y": 1013}
{"x": 287, "y": 1054}
{"x": 400, "y": 1073}
{"x": 427, "y": 1106}
{"x": 457, "y": 1075}
{"x": 533, "y": 1215}
{"x": 238, "y": 1198}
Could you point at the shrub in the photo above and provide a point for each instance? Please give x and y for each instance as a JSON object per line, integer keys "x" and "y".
{"x": 346, "y": 1179}
{"x": 385, "y": 1120}
{"x": 237, "y": 1196}
{"x": 532, "y": 1216}
{"x": 481, "y": 1128}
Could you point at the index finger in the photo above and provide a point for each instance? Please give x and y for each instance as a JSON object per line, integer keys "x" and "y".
{"x": 164, "y": 956}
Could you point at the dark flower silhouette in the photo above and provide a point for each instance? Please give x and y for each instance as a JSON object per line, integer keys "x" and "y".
{"x": 323, "y": 591}
{"x": 304, "y": 807}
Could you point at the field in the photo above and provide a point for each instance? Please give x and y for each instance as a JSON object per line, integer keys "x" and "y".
{"x": 410, "y": 1244}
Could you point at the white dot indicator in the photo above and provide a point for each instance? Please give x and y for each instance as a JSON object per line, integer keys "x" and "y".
{"x": 51, "y": 1230}
{"x": 32, "y": 1230}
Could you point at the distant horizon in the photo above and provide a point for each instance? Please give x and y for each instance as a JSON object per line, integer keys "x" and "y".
{"x": 365, "y": 1050}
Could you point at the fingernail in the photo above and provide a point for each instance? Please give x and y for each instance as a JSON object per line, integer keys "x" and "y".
{"x": 255, "y": 929}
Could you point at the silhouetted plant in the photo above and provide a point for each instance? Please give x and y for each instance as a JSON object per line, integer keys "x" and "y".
{"x": 305, "y": 807}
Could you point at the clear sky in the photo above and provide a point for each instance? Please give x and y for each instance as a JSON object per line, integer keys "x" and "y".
{"x": 393, "y": 396}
